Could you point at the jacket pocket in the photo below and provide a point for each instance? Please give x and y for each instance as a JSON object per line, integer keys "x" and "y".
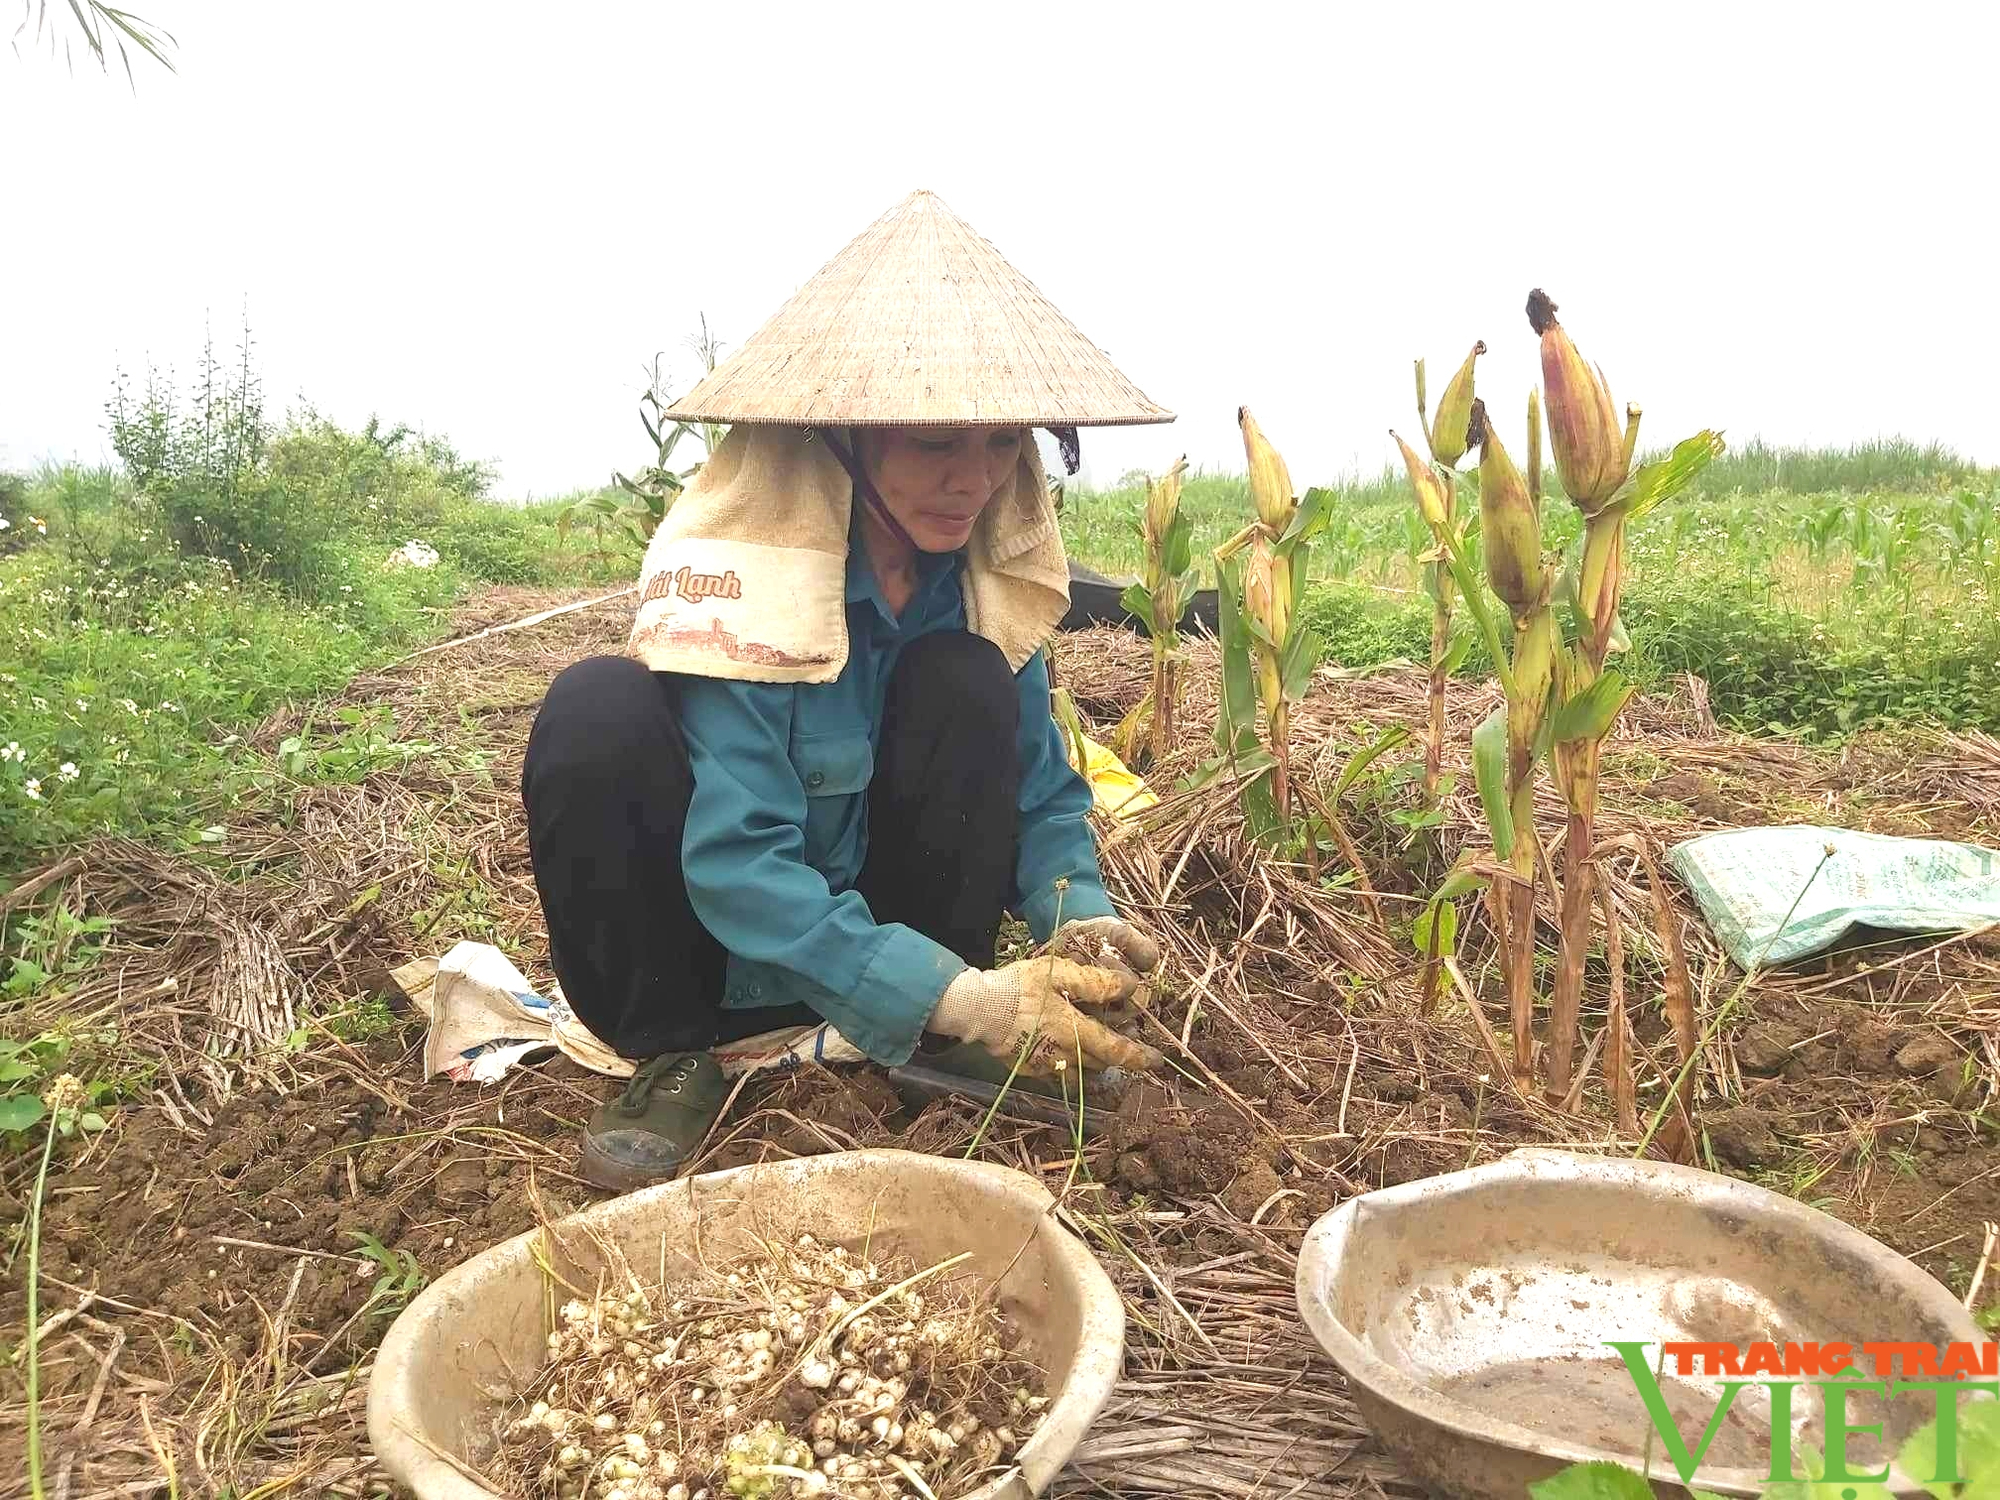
{"x": 834, "y": 769}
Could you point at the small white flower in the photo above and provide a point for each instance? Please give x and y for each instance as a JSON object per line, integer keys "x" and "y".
{"x": 5, "y": 524}
{"x": 41, "y": 704}
{"x": 347, "y": 588}
{"x": 121, "y": 757}
{"x": 12, "y": 751}
{"x": 197, "y": 520}
{"x": 66, "y": 771}
{"x": 128, "y": 705}
{"x": 83, "y": 705}
{"x": 167, "y": 708}
{"x": 33, "y": 787}
{"x": 39, "y": 524}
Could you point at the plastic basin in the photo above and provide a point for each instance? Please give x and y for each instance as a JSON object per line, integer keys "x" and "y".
{"x": 1470, "y": 1314}
{"x": 470, "y": 1335}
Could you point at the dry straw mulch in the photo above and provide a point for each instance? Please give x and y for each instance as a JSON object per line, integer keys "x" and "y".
{"x": 1305, "y": 1073}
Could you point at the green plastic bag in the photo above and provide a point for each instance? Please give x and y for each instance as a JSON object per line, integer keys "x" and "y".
{"x": 1746, "y": 879}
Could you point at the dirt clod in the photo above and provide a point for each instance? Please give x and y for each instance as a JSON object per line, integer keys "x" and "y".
{"x": 1252, "y": 1188}
{"x": 1927, "y": 1054}
{"x": 1870, "y": 1046}
{"x": 1742, "y": 1137}
{"x": 1194, "y": 1152}
{"x": 1765, "y": 1049}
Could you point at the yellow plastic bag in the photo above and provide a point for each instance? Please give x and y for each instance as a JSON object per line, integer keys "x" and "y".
{"x": 1115, "y": 790}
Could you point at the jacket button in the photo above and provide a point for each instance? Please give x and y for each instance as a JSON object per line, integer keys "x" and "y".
{"x": 756, "y": 992}
{"x": 817, "y": 778}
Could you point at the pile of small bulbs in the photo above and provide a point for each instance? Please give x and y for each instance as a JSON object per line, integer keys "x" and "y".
{"x": 750, "y": 1384}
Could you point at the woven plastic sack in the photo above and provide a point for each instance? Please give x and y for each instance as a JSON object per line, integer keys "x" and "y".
{"x": 1746, "y": 879}
{"x": 486, "y": 1019}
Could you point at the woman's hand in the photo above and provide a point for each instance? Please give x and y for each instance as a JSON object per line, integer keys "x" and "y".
{"x": 1108, "y": 942}
{"x": 1037, "y": 998}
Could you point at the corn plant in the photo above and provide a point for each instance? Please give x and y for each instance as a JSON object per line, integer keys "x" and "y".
{"x": 1594, "y": 460}
{"x": 1448, "y": 439}
{"x": 1562, "y": 700}
{"x": 1158, "y": 600}
{"x": 1268, "y": 653}
{"x": 652, "y": 492}
{"x": 1504, "y": 748}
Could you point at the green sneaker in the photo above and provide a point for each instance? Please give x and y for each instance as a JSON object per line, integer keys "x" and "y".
{"x": 663, "y": 1113}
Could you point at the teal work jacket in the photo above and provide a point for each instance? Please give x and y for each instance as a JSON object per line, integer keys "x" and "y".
{"x": 778, "y": 826}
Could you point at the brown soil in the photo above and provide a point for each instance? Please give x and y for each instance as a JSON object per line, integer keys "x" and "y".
{"x": 213, "y": 1226}
{"x": 1877, "y": 1111}
{"x": 1865, "y": 1091}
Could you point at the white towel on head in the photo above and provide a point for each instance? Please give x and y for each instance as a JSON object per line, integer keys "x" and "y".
{"x": 746, "y": 578}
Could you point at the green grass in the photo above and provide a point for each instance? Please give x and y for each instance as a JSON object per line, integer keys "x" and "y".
{"x": 134, "y": 667}
{"x": 1816, "y": 590}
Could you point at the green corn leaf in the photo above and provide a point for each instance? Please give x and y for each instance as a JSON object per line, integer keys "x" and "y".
{"x": 1459, "y": 883}
{"x": 1203, "y": 774}
{"x": 1180, "y": 546}
{"x": 1138, "y": 602}
{"x": 1260, "y": 809}
{"x": 1366, "y": 756}
{"x": 1565, "y": 596}
{"x": 1436, "y": 577}
{"x": 1652, "y": 485}
{"x": 1295, "y": 668}
{"x": 1442, "y": 916}
{"x": 1254, "y": 627}
{"x": 1456, "y": 653}
{"x": 1253, "y": 760}
{"x": 1236, "y": 709}
{"x": 1309, "y": 518}
{"x": 1250, "y": 758}
{"x": 1590, "y": 714}
{"x": 1489, "y": 772}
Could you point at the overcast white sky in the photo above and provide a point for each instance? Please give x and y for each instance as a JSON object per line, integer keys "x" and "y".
{"x": 481, "y": 218}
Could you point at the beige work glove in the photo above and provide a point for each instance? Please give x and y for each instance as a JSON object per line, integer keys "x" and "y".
{"x": 1109, "y": 943}
{"x": 1001, "y": 1009}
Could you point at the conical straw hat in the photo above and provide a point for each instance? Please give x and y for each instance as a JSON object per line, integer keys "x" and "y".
{"x": 919, "y": 321}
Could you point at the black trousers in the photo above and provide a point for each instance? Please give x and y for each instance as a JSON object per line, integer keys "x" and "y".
{"x": 607, "y": 783}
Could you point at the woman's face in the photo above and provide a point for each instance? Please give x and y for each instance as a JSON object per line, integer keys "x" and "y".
{"x": 936, "y": 480}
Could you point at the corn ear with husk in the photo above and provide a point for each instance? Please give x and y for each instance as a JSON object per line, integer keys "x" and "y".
{"x": 1268, "y": 653}
{"x": 1592, "y": 455}
{"x": 1158, "y": 599}
{"x": 1594, "y": 459}
{"x": 1451, "y": 434}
